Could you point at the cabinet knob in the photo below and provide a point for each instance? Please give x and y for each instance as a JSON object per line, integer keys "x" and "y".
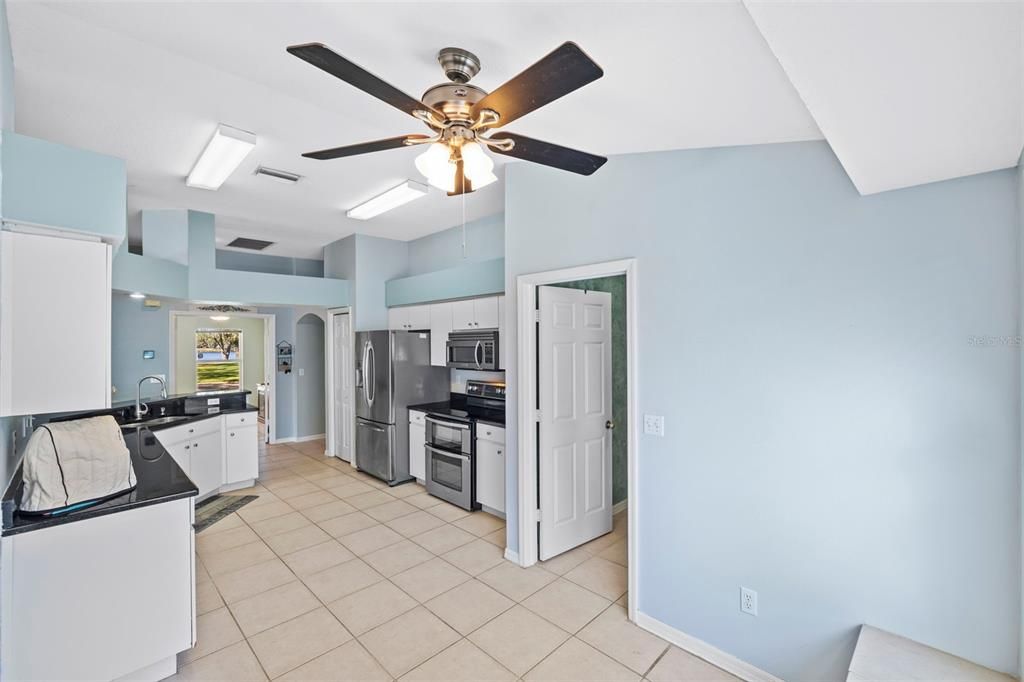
{"x": 232, "y": 435}
{"x": 197, "y": 445}
{"x": 187, "y": 447}
{"x": 191, "y": 430}
{"x": 242, "y": 419}
{"x": 499, "y": 451}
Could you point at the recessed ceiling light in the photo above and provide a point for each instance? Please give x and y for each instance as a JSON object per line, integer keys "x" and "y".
{"x": 219, "y": 318}
{"x": 393, "y": 198}
{"x": 137, "y": 294}
{"x": 223, "y": 154}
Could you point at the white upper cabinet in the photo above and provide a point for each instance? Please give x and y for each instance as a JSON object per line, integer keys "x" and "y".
{"x": 475, "y": 313}
{"x": 409, "y": 317}
{"x": 440, "y": 326}
{"x": 54, "y": 324}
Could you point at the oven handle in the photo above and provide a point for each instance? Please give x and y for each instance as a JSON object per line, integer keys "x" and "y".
{"x": 454, "y": 425}
{"x": 458, "y": 455}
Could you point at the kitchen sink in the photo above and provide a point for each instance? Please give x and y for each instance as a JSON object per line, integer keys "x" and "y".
{"x": 156, "y": 421}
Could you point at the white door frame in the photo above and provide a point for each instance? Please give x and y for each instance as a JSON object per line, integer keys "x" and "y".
{"x": 329, "y": 402}
{"x": 269, "y": 358}
{"x": 526, "y": 396}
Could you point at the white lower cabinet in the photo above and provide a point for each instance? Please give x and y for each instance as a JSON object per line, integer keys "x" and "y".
{"x": 417, "y": 453}
{"x": 490, "y": 467}
{"x": 102, "y": 598}
{"x": 216, "y": 452}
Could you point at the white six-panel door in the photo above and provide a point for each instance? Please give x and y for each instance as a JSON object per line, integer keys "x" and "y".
{"x": 575, "y": 444}
{"x": 343, "y": 385}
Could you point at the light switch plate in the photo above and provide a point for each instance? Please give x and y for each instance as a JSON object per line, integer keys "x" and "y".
{"x": 654, "y": 424}
{"x": 302, "y": 372}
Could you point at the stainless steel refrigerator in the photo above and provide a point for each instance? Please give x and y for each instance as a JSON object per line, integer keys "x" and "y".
{"x": 393, "y": 371}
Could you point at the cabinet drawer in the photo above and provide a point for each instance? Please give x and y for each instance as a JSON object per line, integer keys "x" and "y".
{"x": 495, "y": 434}
{"x": 201, "y": 427}
{"x": 416, "y": 417}
{"x": 240, "y": 419}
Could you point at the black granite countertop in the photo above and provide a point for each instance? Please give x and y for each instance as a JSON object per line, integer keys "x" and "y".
{"x": 458, "y": 409}
{"x": 159, "y": 477}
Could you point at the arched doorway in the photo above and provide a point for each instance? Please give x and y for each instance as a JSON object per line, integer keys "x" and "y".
{"x": 310, "y": 418}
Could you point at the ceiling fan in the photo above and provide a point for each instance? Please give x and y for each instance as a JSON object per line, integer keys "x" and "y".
{"x": 459, "y": 114}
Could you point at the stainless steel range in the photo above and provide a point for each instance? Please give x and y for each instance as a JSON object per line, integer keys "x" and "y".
{"x": 451, "y": 443}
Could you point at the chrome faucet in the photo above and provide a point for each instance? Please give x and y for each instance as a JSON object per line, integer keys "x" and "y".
{"x": 142, "y": 408}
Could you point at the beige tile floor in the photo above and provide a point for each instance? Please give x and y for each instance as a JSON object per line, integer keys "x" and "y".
{"x": 331, "y": 575}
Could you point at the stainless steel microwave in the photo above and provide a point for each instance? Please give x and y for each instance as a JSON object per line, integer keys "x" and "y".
{"x": 473, "y": 349}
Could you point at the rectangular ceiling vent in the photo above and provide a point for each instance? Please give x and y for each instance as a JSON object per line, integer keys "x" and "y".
{"x": 247, "y": 243}
{"x": 279, "y": 175}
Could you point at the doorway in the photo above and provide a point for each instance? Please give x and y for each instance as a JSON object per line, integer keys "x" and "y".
{"x": 576, "y": 373}
{"x": 340, "y": 406}
{"x": 310, "y": 383}
{"x": 204, "y": 356}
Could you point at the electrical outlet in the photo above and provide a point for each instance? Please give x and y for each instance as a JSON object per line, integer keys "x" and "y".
{"x": 302, "y": 372}
{"x": 748, "y": 601}
{"x": 654, "y": 424}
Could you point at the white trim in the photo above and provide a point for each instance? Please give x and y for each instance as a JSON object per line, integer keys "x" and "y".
{"x": 620, "y": 506}
{"x": 269, "y": 359}
{"x": 511, "y": 556}
{"x": 304, "y": 439}
{"x": 703, "y": 650}
{"x": 526, "y": 390}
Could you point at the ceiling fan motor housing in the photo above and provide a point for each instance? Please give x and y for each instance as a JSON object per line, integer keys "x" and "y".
{"x": 454, "y": 100}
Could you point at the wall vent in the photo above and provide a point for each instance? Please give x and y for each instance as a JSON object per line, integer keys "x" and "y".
{"x": 247, "y": 243}
{"x": 279, "y": 175}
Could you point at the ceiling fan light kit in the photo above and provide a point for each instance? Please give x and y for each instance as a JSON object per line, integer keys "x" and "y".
{"x": 460, "y": 115}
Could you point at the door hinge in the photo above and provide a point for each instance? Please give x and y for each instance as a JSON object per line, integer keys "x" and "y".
{"x": 536, "y": 416}
{"x": 536, "y": 316}
{"x": 538, "y": 515}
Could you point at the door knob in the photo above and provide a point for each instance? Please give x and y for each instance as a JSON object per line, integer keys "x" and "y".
{"x": 609, "y": 425}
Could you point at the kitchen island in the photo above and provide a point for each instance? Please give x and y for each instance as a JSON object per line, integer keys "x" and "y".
{"x": 108, "y": 591}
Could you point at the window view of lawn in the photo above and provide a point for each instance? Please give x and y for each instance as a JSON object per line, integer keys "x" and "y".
{"x": 218, "y": 359}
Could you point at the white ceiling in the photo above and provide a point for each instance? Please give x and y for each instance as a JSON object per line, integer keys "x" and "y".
{"x": 905, "y": 92}
{"x": 905, "y": 97}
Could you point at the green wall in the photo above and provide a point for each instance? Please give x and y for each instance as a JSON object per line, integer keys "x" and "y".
{"x": 616, "y": 286}
{"x": 185, "y": 356}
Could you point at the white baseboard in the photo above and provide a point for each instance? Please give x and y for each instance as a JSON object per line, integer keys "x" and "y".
{"x": 303, "y": 439}
{"x": 701, "y": 649}
{"x": 620, "y": 506}
{"x": 512, "y": 556}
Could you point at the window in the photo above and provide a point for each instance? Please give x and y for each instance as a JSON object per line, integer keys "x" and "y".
{"x": 218, "y": 359}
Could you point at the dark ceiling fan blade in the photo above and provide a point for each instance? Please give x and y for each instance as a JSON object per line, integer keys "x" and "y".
{"x": 323, "y": 57}
{"x": 565, "y": 69}
{"x": 556, "y": 156}
{"x": 462, "y": 183}
{"x": 362, "y": 148}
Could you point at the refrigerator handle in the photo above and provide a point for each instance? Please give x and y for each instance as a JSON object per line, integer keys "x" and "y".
{"x": 370, "y": 378}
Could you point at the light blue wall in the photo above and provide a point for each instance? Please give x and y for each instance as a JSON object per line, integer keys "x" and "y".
{"x": 309, "y": 386}
{"x": 284, "y": 330}
{"x": 462, "y": 281}
{"x": 834, "y": 440}
{"x": 165, "y": 234}
{"x": 275, "y": 265}
{"x": 46, "y": 183}
{"x": 136, "y": 328}
{"x": 484, "y": 239}
{"x": 151, "y": 276}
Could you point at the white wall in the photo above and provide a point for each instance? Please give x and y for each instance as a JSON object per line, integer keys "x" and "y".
{"x": 834, "y": 440}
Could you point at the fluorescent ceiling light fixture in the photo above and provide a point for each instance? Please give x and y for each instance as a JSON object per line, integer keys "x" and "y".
{"x": 137, "y": 294}
{"x": 393, "y": 198}
{"x": 223, "y": 154}
{"x": 219, "y": 318}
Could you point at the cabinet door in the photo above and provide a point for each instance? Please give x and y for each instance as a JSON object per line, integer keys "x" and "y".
{"x": 485, "y": 312}
{"x": 241, "y": 461}
{"x": 490, "y": 475}
{"x": 207, "y": 463}
{"x": 397, "y": 318}
{"x": 440, "y": 326}
{"x": 463, "y": 315}
{"x": 177, "y": 442}
{"x": 54, "y": 324}
{"x": 417, "y": 454}
{"x": 418, "y": 317}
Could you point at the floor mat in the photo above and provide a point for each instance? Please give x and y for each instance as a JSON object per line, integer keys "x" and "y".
{"x": 213, "y": 509}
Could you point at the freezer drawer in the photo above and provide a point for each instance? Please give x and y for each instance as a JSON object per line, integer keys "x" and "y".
{"x": 375, "y": 448}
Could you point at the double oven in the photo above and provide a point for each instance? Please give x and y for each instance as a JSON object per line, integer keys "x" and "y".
{"x": 451, "y": 460}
